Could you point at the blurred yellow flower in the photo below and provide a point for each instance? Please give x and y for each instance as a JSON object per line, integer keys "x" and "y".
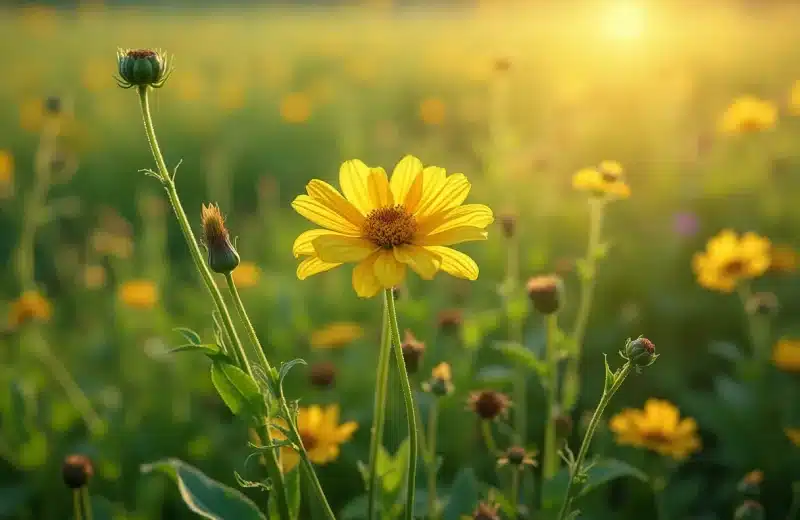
{"x": 794, "y": 99}
{"x": 95, "y": 76}
{"x": 247, "y": 274}
{"x": 231, "y": 95}
{"x": 729, "y": 259}
{"x": 442, "y": 372}
{"x": 441, "y": 380}
{"x": 94, "y": 276}
{"x": 432, "y": 111}
{"x": 31, "y": 305}
{"x": 794, "y": 435}
{"x": 6, "y": 169}
{"x": 657, "y": 427}
{"x": 783, "y": 259}
{"x": 386, "y": 226}
{"x": 605, "y": 180}
{"x": 748, "y": 114}
{"x": 138, "y": 294}
{"x": 786, "y": 355}
{"x": 335, "y": 335}
{"x": 295, "y": 108}
{"x": 320, "y": 432}
{"x": 187, "y": 86}
{"x": 111, "y": 244}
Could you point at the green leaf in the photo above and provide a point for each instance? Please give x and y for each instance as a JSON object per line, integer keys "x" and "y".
{"x": 190, "y": 335}
{"x": 291, "y": 483}
{"x": 203, "y": 495}
{"x": 209, "y": 349}
{"x": 598, "y": 474}
{"x": 521, "y": 355}
{"x": 463, "y": 495}
{"x": 396, "y": 468}
{"x": 239, "y": 391}
{"x": 610, "y": 376}
{"x": 12, "y": 499}
{"x": 286, "y": 367}
{"x": 495, "y": 375}
{"x": 356, "y": 509}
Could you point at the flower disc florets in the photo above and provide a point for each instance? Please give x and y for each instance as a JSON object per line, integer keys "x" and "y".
{"x": 142, "y": 68}
{"x": 390, "y": 227}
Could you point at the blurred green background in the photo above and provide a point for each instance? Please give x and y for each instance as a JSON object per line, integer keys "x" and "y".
{"x": 263, "y": 100}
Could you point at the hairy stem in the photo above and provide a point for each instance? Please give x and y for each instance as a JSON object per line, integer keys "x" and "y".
{"x": 550, "y": 435}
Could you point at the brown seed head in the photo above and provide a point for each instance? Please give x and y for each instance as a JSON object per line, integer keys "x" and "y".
{"x": 508, "y": 222}
{"x": 322, "y": 374}
{"x": 450, "y": 319}
{"x": 413, "y": 349}
{"x": 563, "y": 425}
{"x": 546, "y": 293}
{"x": 502, "y": 65}
{"x": 141, "y": 53}
{"x": 485, "y": 512}
{"x": 488, "y": 404}
{"x": 77, "y": 471}
{"x": 214, "y": 232}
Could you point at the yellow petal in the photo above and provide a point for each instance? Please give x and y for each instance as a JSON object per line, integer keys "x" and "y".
{"x": 433, "y": 179}
{"x": 313, "y": 265}
{"x": 328, "y": 195}
{"x": 341, "y": 249}
{"x": 314, "y": 417}
{"x": 345, "y": 431}
{"x": 423, "y": 261}
{"x": 353, "y": 180}
{"x": 403, "y": 177}
{"x": 323, "y": 216}
{"x": 452, "y": 193}
{"x": 380, "y": 193}
{"x": 456, "y": 263}
{"x": 389, "y": 271}
{"x": 302, "y": 245}
{"x": 477, "y": 215}
{"x": 289, "y": 459}
{"x": 414, "y": 195}
{"x": 452, "y": 236}
{"x": 365, "y": 282}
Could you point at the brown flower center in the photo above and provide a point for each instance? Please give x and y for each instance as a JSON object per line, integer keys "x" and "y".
{"x": 389, "y": 227}
{"x": 656, "y": 437}
{"x": 141, "y": 53}
{"x": 733, "y": 267}
{"x": 310, "y": 440}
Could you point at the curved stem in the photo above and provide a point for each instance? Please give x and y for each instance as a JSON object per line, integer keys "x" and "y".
{"x": 587, "y": 438}
{"x": 488, "y": 437}
{"x": 433, "y": 418}
{"x": 272, "y": 461}
{"x": 550, "y": 439}
{"x": 408, "y": 398}
{"x": 379, "y": 413}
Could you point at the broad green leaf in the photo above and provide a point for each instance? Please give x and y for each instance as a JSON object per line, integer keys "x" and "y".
{"x": 599, "y": 474}
{"x": 190, "y": 335}
{"x": 239, "y": 391}
{"x": 203, "y": 495}
{"x": 209, "y": 349}
{"x": 519, "y": 354}
{"x": 463, "y": 496}
{"x": 397, "y": 468}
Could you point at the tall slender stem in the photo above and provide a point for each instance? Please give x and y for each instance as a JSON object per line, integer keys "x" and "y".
{"x": 379, "y": 412}
{"x": 515, "y": 335}
{"x": 515, "y": 474}
{"x": 433, "y": 419}
{"x": 488, "y": 437}
{"x": 271, "y": 457}
{"x": 588, "y": 278}
{"x": 587, "y": 438}
{"x": 251, "y": 331}
{"x": 87, "y": 503}
{"x": 76, "y": 504}
{"x": 408, "y": 398}
{"x": 550, "y": 438}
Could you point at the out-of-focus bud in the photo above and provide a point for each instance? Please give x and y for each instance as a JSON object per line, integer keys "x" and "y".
{"x": 77, "y": 471}
{"x": 142, "y": 68}
{"x": 517, "y": 457}
{"x": 749, "y": 510}
{"x": 641, "y": 352}
{"x": 546, "y": 293}
{"x": 441, "y": 382}
{"x": 762, "y": 304}
{"x": 413, "y": 349}
{"x": 750, "y": 485}
{"x": 488, "y": 404}
{"x": 322, "y": 374}
{"x": 222, "y": 256}
{"x": 563, "y": 424}
{"x": 485, "y": 511}
{"x": 508, "y": 223}
{"x": 450, "y": 320}
{"x": 53, "y": 105}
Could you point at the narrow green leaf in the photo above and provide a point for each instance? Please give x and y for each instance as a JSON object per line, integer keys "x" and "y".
{"x": 397, "y": 468}
{"x": 610, "y": 376}
{"x": 190, "y": 335}
{"x": 286, "y": 367}
{"x": 495, "y": 375}
{"x": 239, "y": 391}
{"x": 463, "y": 495}
{"x": 519, "y": 354}
{"x": 203, "y": 495}
{"x": 209, "y": 349}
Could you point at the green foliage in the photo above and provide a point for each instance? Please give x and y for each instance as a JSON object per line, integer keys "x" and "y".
{"x": 239, "y": 391}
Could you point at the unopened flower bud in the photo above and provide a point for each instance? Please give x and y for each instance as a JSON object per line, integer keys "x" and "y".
{"x": 546, "y": 293}
{"x": 441, "y": 382}
{"x": 749, "y": 510}
{"x": 413, "y": 349}
{"x": 77, "y": 471}
{"x": 485, "y": 511}
{"x": 450, "y": 320}
{"x": 222, "y": 256}
{"x": 762, "y": 304}
{"x": 508, "y": 222}
{"x": 750, "y": 484}
{"x": 322, "y": 374}
{"x": 641, "y": 352}
{"x": 142, "y": 68}
{"x": 53, "y": 105}
{"x": 488, "y": 404}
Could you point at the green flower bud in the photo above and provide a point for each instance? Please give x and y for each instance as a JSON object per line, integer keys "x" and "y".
{"x": 749, "y": 510}
{"x": 641, "y": 352}
{"x": 546, "y": 293}
{"x": 142, "y": 68}
{"x": 222, "y": 256}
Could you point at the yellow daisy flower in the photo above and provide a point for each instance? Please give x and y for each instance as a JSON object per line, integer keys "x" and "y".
{"x": 321, "y": 434}
{"x": 295, "y": 108}
{"x": 335, "y": 335}
{"x": 794, "y": 435}
{"x": 728, "y": 259}
{"x": 604, "y": 180}
{"x": 786, "y": 355}
{"x": 657, "y": 427}
{"x": 138, "y": 294}
{"x": 748, "y": 114}
{"x": 6, "y": 168}
{"x": 31, "y": 305}
{"x": 385, "y": 226}
{"x": 246, "y": 274}
{"x": 432, "y": 111}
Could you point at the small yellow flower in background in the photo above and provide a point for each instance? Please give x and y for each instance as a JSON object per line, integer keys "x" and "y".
{"x": 247, "y": 274}
{"x": 748, "y": 114}
{"x": 783, "y": 259}
{"x": 794, "y": 435}
{"x": 604, "y": 180}
{"x": 786, "y": 355}
{"x": 321, "y": 434}
{"x": 729, "y": 259}
{"x": 138, "y": 294}
{"x": 95, "y": 77}
{"x": 231, "y": 95}
{"x": 295, "y": 108}
{"x": 794, "y": 99}
{"x": 658, "y": 427}
{"x": 187, "y": 86}
{"x": 385, "y": 226}
{"x": 441, "y": 381}
{"x": 432, "y": 111}
{"x": 31, "y": 305}
{"x": 6, "y": 173}
{"x": 94, "y": 277}
{"x": 336, "y": 335}
{"x": 110, "y": 244}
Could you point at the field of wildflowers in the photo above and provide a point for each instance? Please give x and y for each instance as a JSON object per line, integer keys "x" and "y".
{"x": 374, "y": 263}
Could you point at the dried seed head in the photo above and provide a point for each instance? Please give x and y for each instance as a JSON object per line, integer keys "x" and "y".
{"x": 517, "y": 457}
{"x": 322, "y": 374}
{"x": 488, "y": 404}
{"x": 413, "y": 349}
{"x": 546, "y": 293}
{"x": 77, "y": 471}
{"x": 222, "y": 256}
{"x": 762, "y": 304}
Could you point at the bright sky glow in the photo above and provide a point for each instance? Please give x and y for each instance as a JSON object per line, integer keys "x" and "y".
{"x": 624, "y": 20}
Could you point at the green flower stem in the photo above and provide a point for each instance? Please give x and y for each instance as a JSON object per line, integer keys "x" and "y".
{"x": 588, "y": 279}
{"x": 379, "y": 413}
{"x": 409, "y": 403}
{"x": 87, "y": 503}
{"x": 514, "y": 497}
{"x": 757, "y": 328}
{"x": 515, "y": 334}
{"x": 577, "y": 466}
{"x": 658, "y": 484}
{"x": 551, "y": 458}
{"x": 76, "y": 504}
{"x": 251, "y": 331}
{"x": 272, "y": 461}
{"x": 488, "y": 437}
{"x": 315, "y": 483}
{"x": 433, "y": 419}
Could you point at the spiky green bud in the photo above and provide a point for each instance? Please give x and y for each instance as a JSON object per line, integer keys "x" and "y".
{"x": 142, "y": 68}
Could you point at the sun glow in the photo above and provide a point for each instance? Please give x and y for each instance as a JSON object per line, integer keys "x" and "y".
{"x": 624, "y": 21}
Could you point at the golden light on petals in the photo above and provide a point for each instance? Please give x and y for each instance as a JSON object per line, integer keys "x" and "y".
{"x": 786, "y": 355}
{"x": 659, "y": 428}
{"x": 748, "y": 114}
{"x": 336, "y": 335}
{"x": 729, "y": 259}
{"x": 604, "y": 180}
